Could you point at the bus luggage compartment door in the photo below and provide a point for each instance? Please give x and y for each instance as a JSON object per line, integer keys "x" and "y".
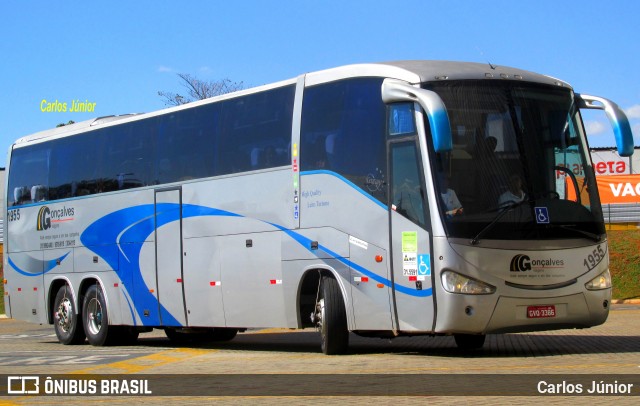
{"x": 169, "y": 275}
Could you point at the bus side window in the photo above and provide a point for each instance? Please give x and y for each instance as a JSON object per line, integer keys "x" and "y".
{"x": 401, "y": 119}
{"x": 407, "y": 193}
{"x": 29, "y": 174}
{"x": 343, "y": 131}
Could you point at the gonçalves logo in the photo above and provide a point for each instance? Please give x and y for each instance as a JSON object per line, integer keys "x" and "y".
{"x": 523, "y": 263}
{"x": 46, "y": 217}
{"x": 520, "y": 263}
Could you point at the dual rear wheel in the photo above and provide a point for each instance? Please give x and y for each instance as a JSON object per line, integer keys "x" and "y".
{"x": 92, "y": 323}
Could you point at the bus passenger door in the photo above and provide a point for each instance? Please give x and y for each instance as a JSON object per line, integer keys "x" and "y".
{"x": 410, "y": 245}
{"x": 169, "y": 275}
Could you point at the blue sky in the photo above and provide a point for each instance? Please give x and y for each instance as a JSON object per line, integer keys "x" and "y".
{"x": 119, "y": 54}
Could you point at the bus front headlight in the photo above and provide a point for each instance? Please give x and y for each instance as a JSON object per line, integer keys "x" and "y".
{"x": 602, "y": 281}
{"x": 455, "y": 283}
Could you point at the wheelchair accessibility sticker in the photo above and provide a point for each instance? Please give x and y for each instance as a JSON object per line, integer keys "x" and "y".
{"x": 542, "y": 215}
{"x": 423, "y": 265}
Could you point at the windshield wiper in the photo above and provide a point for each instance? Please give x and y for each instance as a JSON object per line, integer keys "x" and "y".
{"x": 505, "y": 210}
{"x": 591, "y": 236}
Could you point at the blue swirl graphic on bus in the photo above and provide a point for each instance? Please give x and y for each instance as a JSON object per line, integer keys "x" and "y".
{"x": 41, "y": 267}
{"x": 129, "y": 228}
{"x": 306, "y": 242}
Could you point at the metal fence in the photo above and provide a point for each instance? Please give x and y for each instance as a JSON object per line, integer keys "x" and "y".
{"x": 621, "y": 213}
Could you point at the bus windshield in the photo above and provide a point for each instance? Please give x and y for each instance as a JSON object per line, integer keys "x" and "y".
{"x": 518, "y": 168}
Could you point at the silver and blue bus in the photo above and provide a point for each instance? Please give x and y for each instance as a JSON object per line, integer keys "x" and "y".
{"x": 392, "y": 199}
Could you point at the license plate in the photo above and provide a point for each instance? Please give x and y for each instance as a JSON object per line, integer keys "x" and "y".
{"x": 536, "y": 312}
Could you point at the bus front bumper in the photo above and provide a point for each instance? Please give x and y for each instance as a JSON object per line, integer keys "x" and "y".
{"x": 486, "y": 314}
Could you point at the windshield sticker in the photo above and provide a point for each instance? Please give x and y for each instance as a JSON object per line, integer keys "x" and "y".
{"x": 409, "y": 264}
{"x": 542, "y": 215}
{"x": 409, "y": 241}
{"x": 409, "y": 253}
{"x": 424, "y": 268}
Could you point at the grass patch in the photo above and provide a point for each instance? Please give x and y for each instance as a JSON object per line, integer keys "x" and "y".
{"x": 624, "y": 256}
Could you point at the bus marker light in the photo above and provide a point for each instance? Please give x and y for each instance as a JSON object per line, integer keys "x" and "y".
{"x": 5, "y": 281}
{"x": 275, "y": 281}
{"x": 361, "y": 279}
{"x": 151, "y": 290}
{"x": 378, "y": 258}
{"x": 380, "y": 285}
{"x": 413, "y": 278}
{"x": 179, "y": 280}
{"x": 35, "y": 289}
{"x": 215, "y": 283}
{"x": 19, "y": 289}
{"x": 115, "y": 285}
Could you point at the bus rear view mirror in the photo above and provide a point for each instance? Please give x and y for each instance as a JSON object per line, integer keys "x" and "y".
{"x": 619, "y": 120}
{"x": 394, "y": 91}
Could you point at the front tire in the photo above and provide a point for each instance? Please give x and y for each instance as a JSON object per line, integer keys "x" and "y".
{"x": 96, "y": 318}
{"x": 66, "y": 320}
{"x": 331, "y": 318}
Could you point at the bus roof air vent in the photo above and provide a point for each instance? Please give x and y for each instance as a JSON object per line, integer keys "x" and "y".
{"x": 108, "y": 119}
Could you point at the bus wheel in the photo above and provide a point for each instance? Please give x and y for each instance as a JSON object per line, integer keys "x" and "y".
{"x": 96, "y": 318}
{"x": 223, "y": 334}
{"x": 177, "y": 337}
{"x": 331, "y": 318}
{"x": 469, "y": 341}
{"x": 66, "y": 320}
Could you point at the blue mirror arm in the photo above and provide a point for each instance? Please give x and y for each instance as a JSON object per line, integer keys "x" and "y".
{"x": 619, "y": 120}
{"x": 395, "y": 91}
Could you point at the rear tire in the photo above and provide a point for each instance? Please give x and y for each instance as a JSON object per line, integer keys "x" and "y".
{"x": 469, "y": 341}
{"x": 66, "y": 320}
{"x": 96, "y": 318}
{"x": 177, "y": 337}
{"x": 223, "y": 334}
{"x": 331, "y": 318}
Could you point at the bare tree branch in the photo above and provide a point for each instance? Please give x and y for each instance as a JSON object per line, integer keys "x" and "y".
{"x": 198, "y": 90}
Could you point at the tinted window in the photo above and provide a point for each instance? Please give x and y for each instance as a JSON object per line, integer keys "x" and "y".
{"x": 343, "y": 130}
{"x": 407, "y": 196}
{"x": 29, "y": 175}
{"x": 240, "y": 134}
{"x": 256, "y": 131}
{"x": 401, "y": 120}
{"x": 185, "y": 144}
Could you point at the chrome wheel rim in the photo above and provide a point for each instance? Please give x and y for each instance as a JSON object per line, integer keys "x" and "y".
{"x": 94, "y": 314}
{"x": 64, "y": 315}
